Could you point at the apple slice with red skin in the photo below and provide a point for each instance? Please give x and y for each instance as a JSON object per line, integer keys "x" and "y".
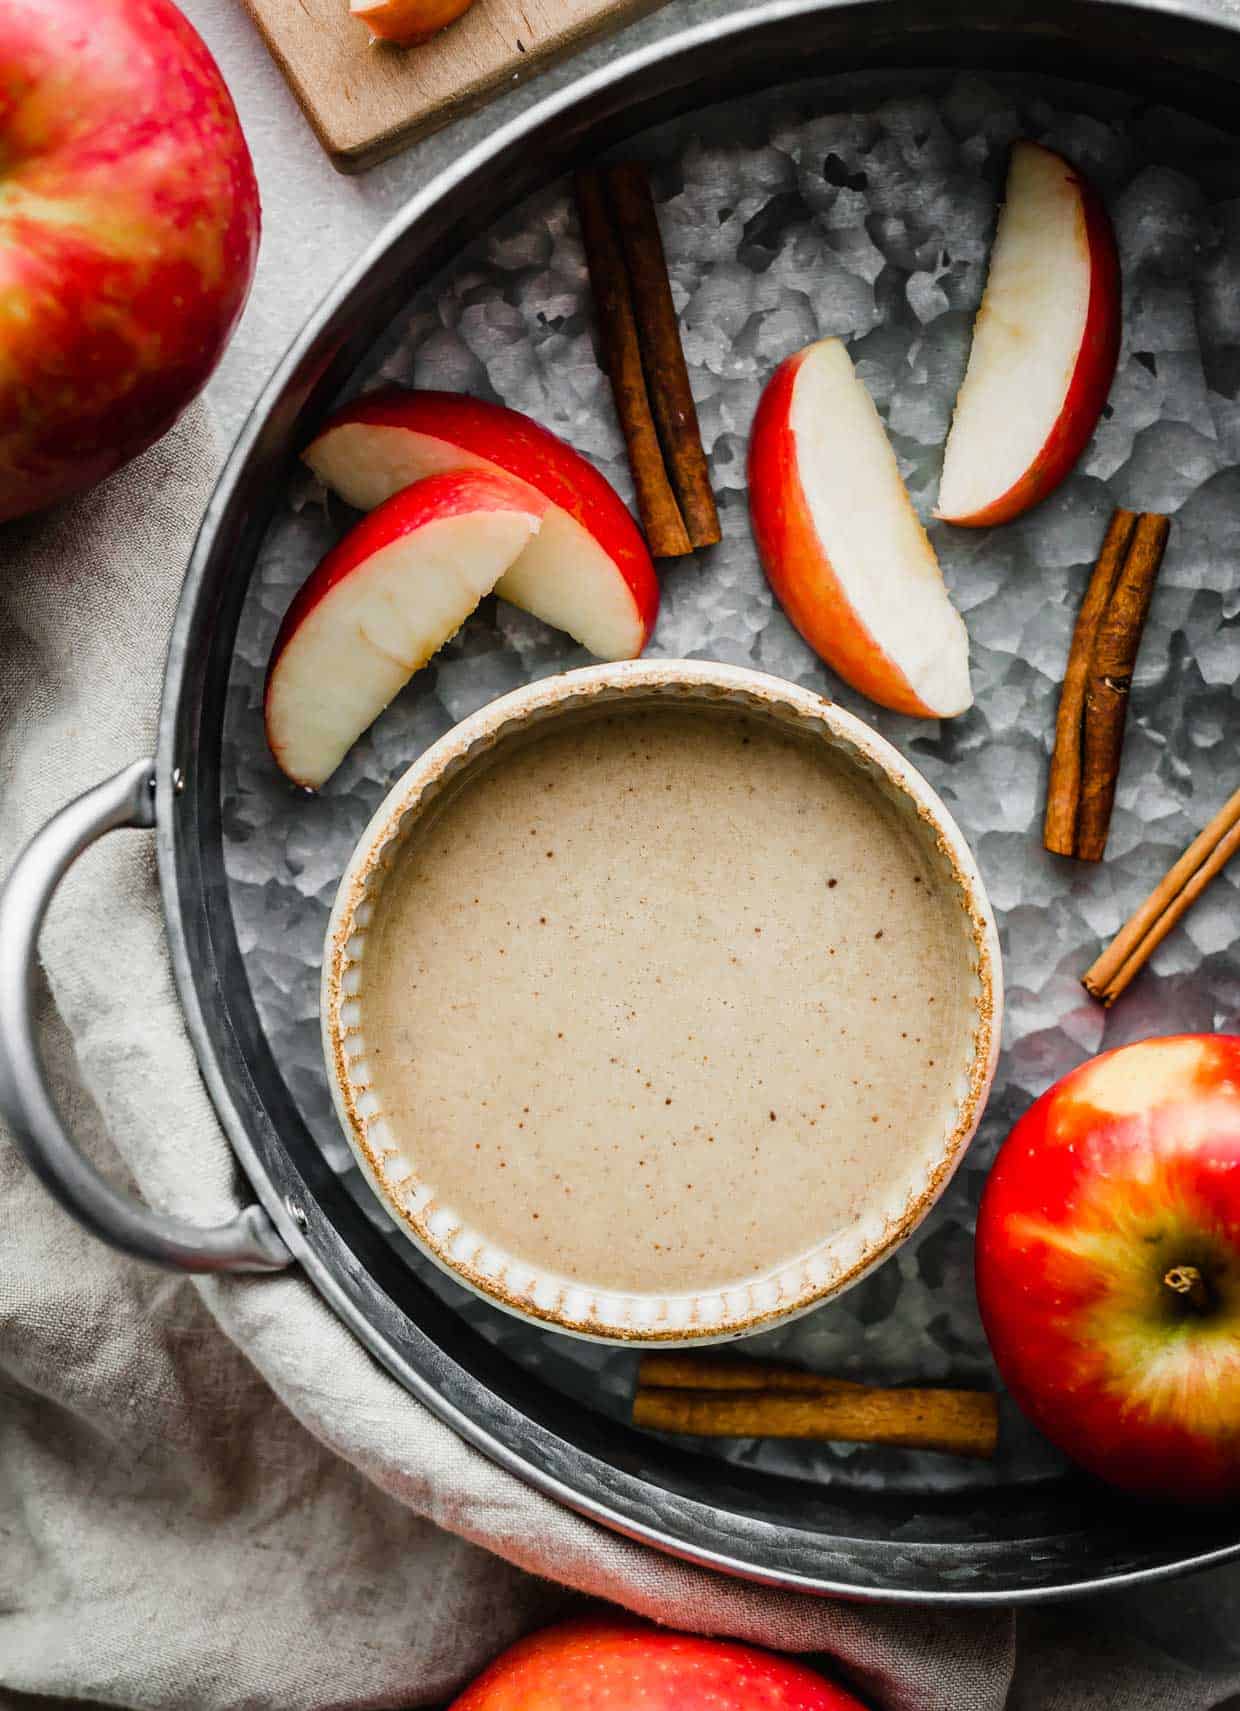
{"x": 842, "y": 546}
{"x": 1045, "y": 344}
{"x": 606, "y": 1663}
{"x": 386, "y": 598}
{"x": 1108, "y": 1266}
{"x": 407, "y": 22}
{"x": 587, "y": 572}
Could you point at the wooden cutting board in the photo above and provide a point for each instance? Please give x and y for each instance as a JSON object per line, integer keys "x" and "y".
{"x": 366, "y": 100}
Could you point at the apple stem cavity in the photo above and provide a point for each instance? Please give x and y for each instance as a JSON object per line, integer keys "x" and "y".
{"x": 1187, "y": 1282}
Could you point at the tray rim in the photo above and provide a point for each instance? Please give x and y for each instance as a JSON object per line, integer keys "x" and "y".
{"x": 308, "y": 372}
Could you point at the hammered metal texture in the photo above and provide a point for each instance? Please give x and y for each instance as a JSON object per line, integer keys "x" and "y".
{"x": 864, "y": 209}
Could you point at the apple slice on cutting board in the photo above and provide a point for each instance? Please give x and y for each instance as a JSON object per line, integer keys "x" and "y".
{"x": 386, "y": 598}
{"x": 842, "y": 545}
{"x": 1045, "y": 345}
{"x": 587, "y": 572}
{"x": 407, "y": 22}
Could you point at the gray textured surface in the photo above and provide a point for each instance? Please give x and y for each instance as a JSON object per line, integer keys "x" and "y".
{"x": 860, "y": 210}
{"x": 316, "y": 222}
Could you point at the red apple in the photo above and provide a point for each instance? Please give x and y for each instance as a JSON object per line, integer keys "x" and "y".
{"x": 1045, "y": 344}
{"x": 386, "y": 598}
{"x": 407, "y": 21}
{"x": 841, "y": 544}
{"x": 1108, "y": 1266}
{"x": 128, "y": 234}
{"x": 588, "y": 572}
{"x": 610, "y": 1664}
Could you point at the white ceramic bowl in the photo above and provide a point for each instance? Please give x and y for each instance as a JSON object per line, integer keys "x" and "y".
{"x": 389, "y": 1160}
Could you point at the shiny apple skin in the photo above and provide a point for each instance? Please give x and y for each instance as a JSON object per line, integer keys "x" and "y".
{"x": 522, "y": 447}
{"x": 605, "y": 1664}
{"x": 797, "y": 566}
{"x": 436, "y": 499}
{"x": 129, "y": 226}
{"x": 408, "y": 22}
{"x": 1091, "y": 376}
{"x": 1125, "y": 1169}
{"x": 457, "y": 493}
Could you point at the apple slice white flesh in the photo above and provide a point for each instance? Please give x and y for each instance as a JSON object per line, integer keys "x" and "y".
{"x": 588, "y": 571}
{"x": 386, "y": 598}
{"x": 1045, "y": 344}
{"x": 842, "y": 545}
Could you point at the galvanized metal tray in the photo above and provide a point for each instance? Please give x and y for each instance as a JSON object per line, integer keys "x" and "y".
{"x": 859, "y": 205}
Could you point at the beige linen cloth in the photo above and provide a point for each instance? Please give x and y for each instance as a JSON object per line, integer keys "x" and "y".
{"x": 210, "y": 1496}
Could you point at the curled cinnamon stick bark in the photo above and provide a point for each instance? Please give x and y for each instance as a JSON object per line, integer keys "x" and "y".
{"x": 1140, "y": 937}
{"x": 701, "y": 1372}
{"x": 665, "y": 529}
{"x": 1063, "y": 794}
{"x": 663, "y": 357}
{"x": 958, "y": 1422}
{"x": 1093, "y": 706}
{"x": 1110, "y": 680}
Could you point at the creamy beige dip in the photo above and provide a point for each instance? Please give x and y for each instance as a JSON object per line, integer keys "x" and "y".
{"x": 661, "y": 1000}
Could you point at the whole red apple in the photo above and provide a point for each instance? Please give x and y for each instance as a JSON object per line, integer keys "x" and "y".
{"x": 128, "y": 234}
{"x": 1108, "y": 1266}
{"x": 609, "y": 1664}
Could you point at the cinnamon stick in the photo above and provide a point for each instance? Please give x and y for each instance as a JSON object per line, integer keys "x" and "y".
{"x": 958, "y": 1422}
{"x": 1171, "y": 899}
{"x": 665, "y": 529}
{"x": 701, "y": 1372}
{"x": 1110, "y": 680}
{"x": 1063, "y": 794}
{"x": 1093, "y": 705}
{"x": 663, "y": 357}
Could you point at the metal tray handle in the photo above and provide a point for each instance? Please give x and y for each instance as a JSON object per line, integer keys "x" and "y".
{"x": 249, "y": 1242}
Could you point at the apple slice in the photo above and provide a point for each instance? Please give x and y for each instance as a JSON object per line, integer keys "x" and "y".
{"x": 386, "y": 598}
{"x": 1045, "y": 345}
{"x": 407, "y": 21}
{"x": 587, "y": 572}
{"x": 841, "y": 543}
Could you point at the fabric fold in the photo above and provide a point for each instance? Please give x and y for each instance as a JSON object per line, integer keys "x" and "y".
{"x": 209, "y": 1492}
